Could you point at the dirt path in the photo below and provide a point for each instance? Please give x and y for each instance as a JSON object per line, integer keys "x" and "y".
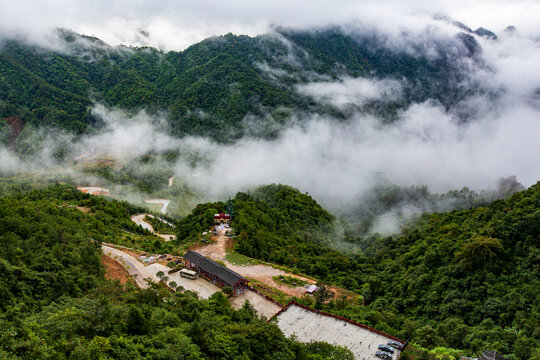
{"x": 218, "y": 248}
{"x": 263, "y": 273}
{"x": 92, "y": 190}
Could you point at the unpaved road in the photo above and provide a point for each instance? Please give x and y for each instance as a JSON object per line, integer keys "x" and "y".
{"x": 218, "y": 248}
{"x": 263, "y": 273}
{"x": 139, "y": 220}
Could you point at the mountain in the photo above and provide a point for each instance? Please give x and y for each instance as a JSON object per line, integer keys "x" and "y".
{"x": 210, "y": 88}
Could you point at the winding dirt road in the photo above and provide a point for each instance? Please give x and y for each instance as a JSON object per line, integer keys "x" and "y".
{"x": 139, "y": 220}
{"x": 93, "y": 190}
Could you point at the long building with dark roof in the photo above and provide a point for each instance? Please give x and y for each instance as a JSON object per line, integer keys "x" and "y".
{"x": 215, "y": 272}
{"x": 491, "y": 355}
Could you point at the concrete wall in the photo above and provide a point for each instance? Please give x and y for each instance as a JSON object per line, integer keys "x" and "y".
{"x": 310, "y": 326}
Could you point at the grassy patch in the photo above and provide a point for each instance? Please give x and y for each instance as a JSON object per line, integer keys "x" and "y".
{"x": 148, "y": 243}
{"x": 289, "y": 281}
{"x": 274, "y": 293}
{"x": 221, "y": 263}
{"x": 239, "y": 259}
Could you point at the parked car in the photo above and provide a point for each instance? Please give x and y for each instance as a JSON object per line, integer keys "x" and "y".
{"x": 386, "y": 348}
{"x": 395, "y": 344}
{"x": 384, "y": 355}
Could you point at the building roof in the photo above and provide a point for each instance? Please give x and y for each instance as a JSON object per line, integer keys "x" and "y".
{"x": 227, "y": 275}
{"x": 491, "y": 355}
{"x": 311, "y": 288}
{"x": 222, "y": 216}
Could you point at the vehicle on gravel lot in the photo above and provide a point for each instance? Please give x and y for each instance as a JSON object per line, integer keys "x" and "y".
{"x": 395, "y": 344}
{"x": 384, "y": 355}
{"x": 190, "y": 274}
{"x": 386, "y": 348}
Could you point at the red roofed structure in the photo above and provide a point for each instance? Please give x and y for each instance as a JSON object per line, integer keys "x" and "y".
{"x": 222, "y": 218}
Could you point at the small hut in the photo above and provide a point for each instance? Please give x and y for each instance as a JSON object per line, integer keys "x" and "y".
{"x": 222, "y": 218}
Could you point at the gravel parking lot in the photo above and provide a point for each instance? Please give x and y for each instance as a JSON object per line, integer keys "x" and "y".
{"x": 203, "y": 287}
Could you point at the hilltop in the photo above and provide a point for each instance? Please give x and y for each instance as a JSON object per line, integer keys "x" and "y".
{"x": 464, "y": 279}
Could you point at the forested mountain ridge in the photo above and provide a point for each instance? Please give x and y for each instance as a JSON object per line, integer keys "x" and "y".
{"x": 465, "y": 279}
{"x": 209, "y": 88}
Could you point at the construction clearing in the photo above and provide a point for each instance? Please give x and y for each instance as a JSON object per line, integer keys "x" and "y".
{"x": 309, "y": 325}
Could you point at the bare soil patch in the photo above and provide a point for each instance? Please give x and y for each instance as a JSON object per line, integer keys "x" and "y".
{"x": 16, "y": 125}
{"x": 114, "y": 270}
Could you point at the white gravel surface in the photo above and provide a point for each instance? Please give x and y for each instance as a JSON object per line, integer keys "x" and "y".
{"x": 203, "y": 287}
{"x": 309, "y": 326}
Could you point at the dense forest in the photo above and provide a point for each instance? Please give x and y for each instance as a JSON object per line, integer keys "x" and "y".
{"x": 56, "y": 304}
{"x": 213, "y": 87}
{"x": 464, "y": 279}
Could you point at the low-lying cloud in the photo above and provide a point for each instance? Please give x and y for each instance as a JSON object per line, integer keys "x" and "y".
{"x": 351, "y": 91}
{"x": 339, "y": 162}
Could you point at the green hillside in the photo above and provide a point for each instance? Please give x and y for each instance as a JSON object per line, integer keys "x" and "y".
{"x": 209, "y": 88}
{"x": 465, "y": 279}
{"x": 56, "y": 304}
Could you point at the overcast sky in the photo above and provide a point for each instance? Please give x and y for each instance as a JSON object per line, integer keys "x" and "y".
{"x": 177, "y": 24}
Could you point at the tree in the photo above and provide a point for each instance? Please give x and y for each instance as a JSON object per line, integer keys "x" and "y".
{"x": 136, "y": 323}
{"x": 227, "y": 290}
{"x": 322, "y": 295}
{"x": 160, "y": 275}
{"x": 478, "y": 250}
